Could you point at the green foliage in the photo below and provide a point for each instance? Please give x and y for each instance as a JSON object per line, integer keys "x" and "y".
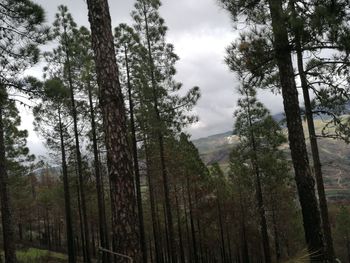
{"x": 17, "y": 152}
{"x": 33, "y": 255}
{"x": 255, "y": 126}
{"x": 258, "y": 153}
{"x": 21, "y": 30}
{"x": 167, "y": 109}
{"x": 52, "y": 111}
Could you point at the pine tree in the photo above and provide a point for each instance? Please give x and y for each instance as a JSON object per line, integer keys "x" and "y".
{"x": 64, "y": 31}
{"x": 165, "y": 105}
{"x": 88, "y": 80}
{"x": 305, "y": 182}
{"x": 343, "y": 227}
{"x": 127, "y": 45}
{"x": 259, "y": 13}
{"x": 21, "y": 29}
{"x": 52, "y": 113}
{"x": 251, "y": 122}
{"x": 258, "y": 155}
{"x": 125, "y": 232}
{"x": 299, "y": 39}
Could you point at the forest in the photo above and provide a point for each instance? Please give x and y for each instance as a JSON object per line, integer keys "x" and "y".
{"x": 124, "y": 181}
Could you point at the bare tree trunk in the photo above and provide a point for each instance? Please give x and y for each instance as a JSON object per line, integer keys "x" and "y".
{"x": 193, "y": 231}
{"x": 155, "y": 225}
{"x": 303, "y": 177}
{"x": 245, "y": 252}
{"x": 230, "y": 259}
{"x": 104, "y": 239}
{"x": 199, "y": 230}
{"x": 160, "y": 137}
{"x": 81, "y": 222}
{"x": 6, "y": 214}
{"x": 258, "y": 187}
{"x": 67, "y": 205}
{"x": 189, "y": 248}
{"x": 168, "y": 249}
{"x": 77, "y": 149}
{"x": 221, "y": 227}
{"x": 327, "y": 232}
{"x": 123, "y": 199}
{"x": 136, "y": 164}
{"x": 275, "y": 231}
{"x": 179, "y": 228}
{"x": 348, "y": 245}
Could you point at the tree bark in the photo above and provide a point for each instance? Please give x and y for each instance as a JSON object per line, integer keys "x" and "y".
{"x": 123, "y": 199}
{"x": 221, "y": 227}
{"x": 327, "y": 232}
{"x": 160, "y": 137}
{"x": 276, "y": 235}
{"x": 189, "y": 247}
{"x": 80, "y": 221}
{"x": 155, "y": 225}
{"x": 68, "y": 211}
{"x": 77, "y": 149}
{"x": 305, "y": 182}
{"x": 104, "y": 239}
{"x": 244, "y": 252}
{"x": 6, "y": 214}
{"x": 136, "y": 163}
{"x": 258, "y": 187}
{"x": 179, "y": 228}
{"x": 193, "y": 231}
{"x": 348, "y": 245}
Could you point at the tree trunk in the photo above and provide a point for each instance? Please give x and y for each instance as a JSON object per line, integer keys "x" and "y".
{"x": 104, "y": 239}
{"x": 166, "y": 226}
{"x": 305, "y": 182}
{"x": 193, "y": 231}
{"x": 245, "y": 252}
{"x": 200, "y": 237}
{"x": 258, "y": 187}
{"x": 160, "y": 137}
{"x": 200, "y": 241}
{"x": 20, "y": 231}
{"x": 77, "y": 150}
{"x": 123, "y": 199}
{"x": 327, "y": 232}
{"x": 348, "y": 245}
{"x": 93, "y": 240}
{"x": 6, "y": 214}
{"x": 275, "y": 231}
{"x": 179, "y": 228}
{"x": 230, "y": 259}
{"x": 136, "y": 164}
{"x": 189, "y": 247}
{"x": 68, "y": 211}
{"x": 155, "y": 225}
{"x": 31, "y": 232}
{"x": 221, "y": 227}
{"x": 81, "y": 222}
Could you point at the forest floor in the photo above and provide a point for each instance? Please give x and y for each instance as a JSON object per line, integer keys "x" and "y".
{"x": 34, "y": 255}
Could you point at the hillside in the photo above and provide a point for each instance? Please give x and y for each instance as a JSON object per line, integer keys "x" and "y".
{"x": 335, "y": 157}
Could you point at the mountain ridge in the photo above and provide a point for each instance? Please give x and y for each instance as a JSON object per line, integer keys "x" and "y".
{"x": 335, "y": 158}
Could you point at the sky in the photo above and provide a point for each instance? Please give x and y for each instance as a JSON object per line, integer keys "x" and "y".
{"x": 200, "y": 31}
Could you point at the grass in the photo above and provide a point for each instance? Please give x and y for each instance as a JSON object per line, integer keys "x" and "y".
{"x": 33, "y": 255}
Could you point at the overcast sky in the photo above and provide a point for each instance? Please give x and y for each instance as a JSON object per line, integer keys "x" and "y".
{"x": 200, "y": 31}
